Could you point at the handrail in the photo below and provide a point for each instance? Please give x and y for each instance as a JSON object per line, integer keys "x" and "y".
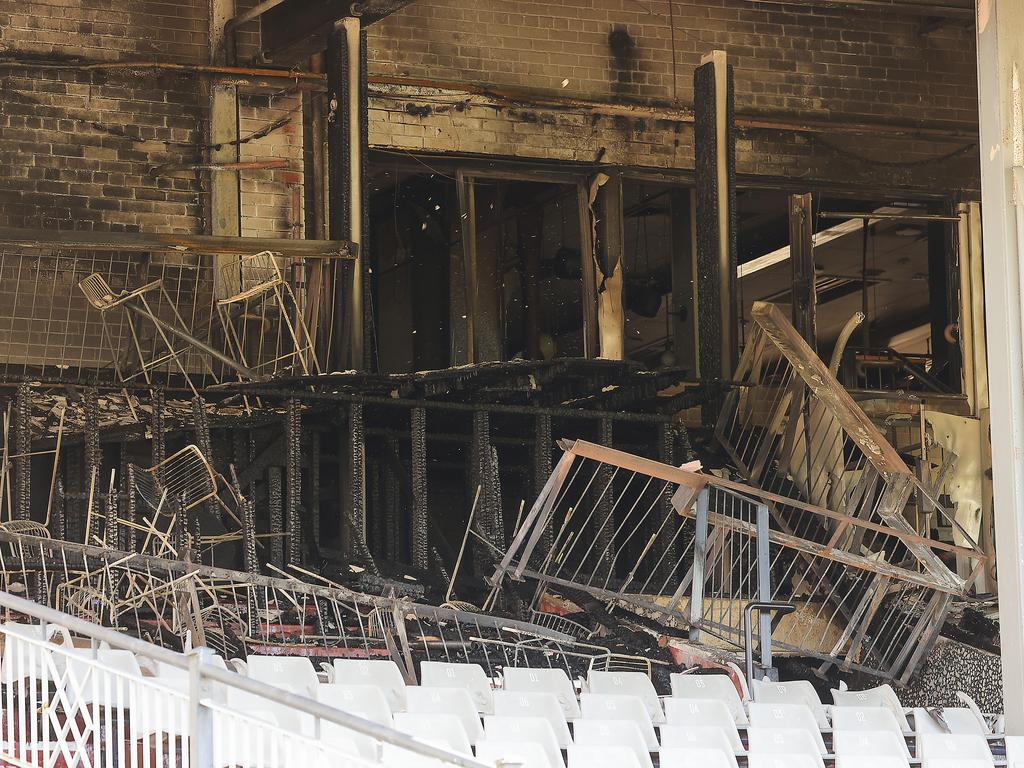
{"x": 190, "y": 664}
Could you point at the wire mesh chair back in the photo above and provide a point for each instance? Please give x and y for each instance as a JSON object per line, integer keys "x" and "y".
{"x": 161, "y": 352}
{"x": 186, "y": 477}
{"x": 262, "y": 321}
{"x": 620, "y": 662}
{"x": 560, "y": 624}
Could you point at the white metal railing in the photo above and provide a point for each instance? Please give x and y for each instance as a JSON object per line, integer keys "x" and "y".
{"x": 94, "y": 707}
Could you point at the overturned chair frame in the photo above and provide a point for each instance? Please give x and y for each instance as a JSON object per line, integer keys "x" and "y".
{"x": 102, "y": 297}
{"x": 263, "y": 298}
{"x": 184, "y": 481}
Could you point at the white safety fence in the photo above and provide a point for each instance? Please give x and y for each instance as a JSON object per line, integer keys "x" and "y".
{"x": 77, "y": 695}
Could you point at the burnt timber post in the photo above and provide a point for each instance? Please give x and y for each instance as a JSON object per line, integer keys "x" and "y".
{"x": 801, "y": 257}
{"x": 715, "y": 166}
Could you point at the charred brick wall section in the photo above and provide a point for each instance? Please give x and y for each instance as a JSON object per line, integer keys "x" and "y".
{"x": 89, "y": 150}
{"x": 792, "y": 61}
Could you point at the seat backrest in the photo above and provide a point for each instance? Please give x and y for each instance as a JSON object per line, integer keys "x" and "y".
{"x": 534, "y": 704}
{"x": 957, "y": 762}
{"x": 787, "y": 716}
{"x": 633, "y": 683}
{"x": 867, "y": 743}
{"x": 534, "y": 730}
{"x": 528, "y": 754}
{"x": 708, "y": 713}
{"x": 718, "y": 687}
{"x": 879, "y": 696}
{"x": 612, "y": 733}
{"x": 446, "y": 730}
{"x": 297, "y": 672}
{"x": 1014, "y": 751}
{"x": 792, "y": 692}
{"x": 380, "y": 673}
{"x": 960, "y": 720}
{"x": 871, "y": 761}
{"x": 783, "y": 760}
{"x": 698, "y": 737}
{"x": 960, "y": 745}
{"x": 689, "y": 757}
{"x": 287, "y": 718}
{"x": 858, "y": 719}
{"x": 441, "y": 674}
{"x": 544, "y": 679}
{"x": 604, "y": 756}
{"x": 366, "y": 701}
{"x": 450, "y": 701}
{"x": 620, "y": 706}
{"x": 783, "y": 741}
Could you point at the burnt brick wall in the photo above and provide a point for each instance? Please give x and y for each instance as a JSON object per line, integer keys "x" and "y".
{"x": 89, "y": 149}
{"x": 793, "y": 62}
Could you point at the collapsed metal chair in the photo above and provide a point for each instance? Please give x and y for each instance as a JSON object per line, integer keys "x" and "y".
{"x": 263, "y": 322}
{"x": 102, "y": 297}
{"x": 178, "y": 485}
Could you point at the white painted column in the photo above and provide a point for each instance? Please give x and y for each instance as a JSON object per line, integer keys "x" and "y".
{"x": 1000, "y": 29}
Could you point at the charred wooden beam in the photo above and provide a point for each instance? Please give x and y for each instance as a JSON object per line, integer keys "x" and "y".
{"x": 144, "y": 242}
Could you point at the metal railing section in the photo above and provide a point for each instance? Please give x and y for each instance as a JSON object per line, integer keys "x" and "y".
{"x": 598, "y": 528}
{"x": 94, "y": 706}
{"x": 792, "y": 430}
{"x": 236, "y": 613}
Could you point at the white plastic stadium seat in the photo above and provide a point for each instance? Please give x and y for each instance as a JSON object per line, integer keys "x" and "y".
{"x": 604, "y": 756}
{"x": 869, "y": 718}
{"x": 23, "y": 659}
{"x": 366, "y": 701}
{"x": 297, "y": 673}
{"x": 534, "y": 704}
{"x": 440, "y": 730}
{"x": 381, "y": 673}
{"x": 783, "y": 741}
{"x": 697, "y": 737}
{"x": 427, "y": 700}
{"x": 710, "y": 713}
{"x": 1015, "y": 751}
{"x": 633, "y": 683}
{"x": 613, "y": 706}
{"x": 88, "y": 682}
{"x": 717, "y": 687}
{"x": 545, "y": 680}
{"x": 694, "y": 757}
{"x": 788, "y": 716}
{"x": 441, "y": 674}
{"x": 793, "y": 692}
{"x": 879, "y": 696}
{"x": 871, "y": 761}
{"x": 534, "y": 730}
{"x": 256, "y": 706}
{"x": 783, "y": 761}
{"x": 397, "y": 757}
{"x": 959, "y": 719}
{"x": 611, "y": 733}
{"x": 527, "y": 754}
{"x": 870, "y": 743}
{"x": 959, "y": 746}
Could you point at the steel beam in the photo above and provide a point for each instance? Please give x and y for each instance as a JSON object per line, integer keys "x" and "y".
{"x": 1000, "y": 31}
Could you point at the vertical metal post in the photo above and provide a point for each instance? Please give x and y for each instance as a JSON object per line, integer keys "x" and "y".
{"x": 700, "y": 552}
{"x": 1000, "y": 30}
{"x": 357, "y": 474}
{"x": 200, "y": 718}
{"x": 418, "y": 441}
{"x": 542, "y": 446}
{"x": 764, "y": 584}
{"x": 93, "y": 457}
{"x": 275, "y": 504}
{"x": 604, "y": 524}
{"x": 293, "y": 489}
{"x": 23, "y": 451}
